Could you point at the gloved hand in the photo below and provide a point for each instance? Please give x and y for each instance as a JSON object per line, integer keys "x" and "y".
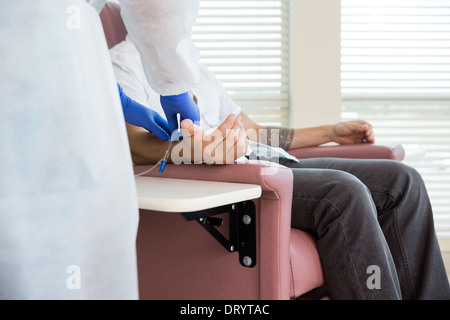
{"x": 141, "y": 116}
{"x": 182, "y": 104}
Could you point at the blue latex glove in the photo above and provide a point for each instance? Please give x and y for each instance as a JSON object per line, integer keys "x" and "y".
{"x": 141, "y": 116}
{"x": 182, "y": 104}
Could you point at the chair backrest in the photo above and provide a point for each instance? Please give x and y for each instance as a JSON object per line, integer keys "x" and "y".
{"x": 113, "y": 26}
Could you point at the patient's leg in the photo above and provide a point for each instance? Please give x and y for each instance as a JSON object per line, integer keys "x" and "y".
{"x": 370, "y": 213}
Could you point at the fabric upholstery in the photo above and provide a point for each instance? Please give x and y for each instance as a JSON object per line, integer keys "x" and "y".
{"x": 113, "y": 26}
{"x": 352, "y": 151}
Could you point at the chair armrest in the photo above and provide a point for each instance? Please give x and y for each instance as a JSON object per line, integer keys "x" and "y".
{"x": 354, "y": 151}
{"x": 270, "y": 176}
{"x": 273, "y": 214}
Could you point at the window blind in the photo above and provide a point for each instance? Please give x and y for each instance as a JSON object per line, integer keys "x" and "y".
{"x": 395, "y": 73}
{"x": 246, "y": 44}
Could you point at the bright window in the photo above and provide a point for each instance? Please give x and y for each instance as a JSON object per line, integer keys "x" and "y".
{"x": 246, "y": 44}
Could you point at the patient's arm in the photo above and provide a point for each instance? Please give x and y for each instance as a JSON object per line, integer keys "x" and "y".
{"x": 145, "y": 147}
{"x": 224, "y": 145}
{"x": 350, "y": 132}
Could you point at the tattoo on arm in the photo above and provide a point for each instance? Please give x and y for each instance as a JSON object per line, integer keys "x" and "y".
{"x": 285, "y": 136}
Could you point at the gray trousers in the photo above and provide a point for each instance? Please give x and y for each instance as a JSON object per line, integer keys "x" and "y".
{"x": 374, "y": 228}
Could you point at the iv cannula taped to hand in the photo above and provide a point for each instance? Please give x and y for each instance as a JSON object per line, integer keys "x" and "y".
{"x": 176, "y": 136}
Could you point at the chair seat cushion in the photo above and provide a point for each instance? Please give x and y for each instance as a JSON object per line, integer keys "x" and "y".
{"x": 306, "y": 268}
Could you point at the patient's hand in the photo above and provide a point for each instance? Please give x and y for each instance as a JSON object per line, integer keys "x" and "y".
{"x": 222, "y": 146}
{"x": 352, "y": 132}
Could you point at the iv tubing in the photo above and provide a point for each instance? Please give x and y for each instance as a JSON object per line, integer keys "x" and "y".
{"x": 163, "y": 160}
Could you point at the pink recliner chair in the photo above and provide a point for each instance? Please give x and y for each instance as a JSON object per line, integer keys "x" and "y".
{"x": 178, "y": 259}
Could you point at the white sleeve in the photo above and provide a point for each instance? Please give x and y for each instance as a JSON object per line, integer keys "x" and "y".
{"x": 126, "y": 63}
{"x": 161, "y": 31}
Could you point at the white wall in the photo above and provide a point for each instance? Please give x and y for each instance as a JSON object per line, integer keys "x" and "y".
{"x": 315, "y": 62}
